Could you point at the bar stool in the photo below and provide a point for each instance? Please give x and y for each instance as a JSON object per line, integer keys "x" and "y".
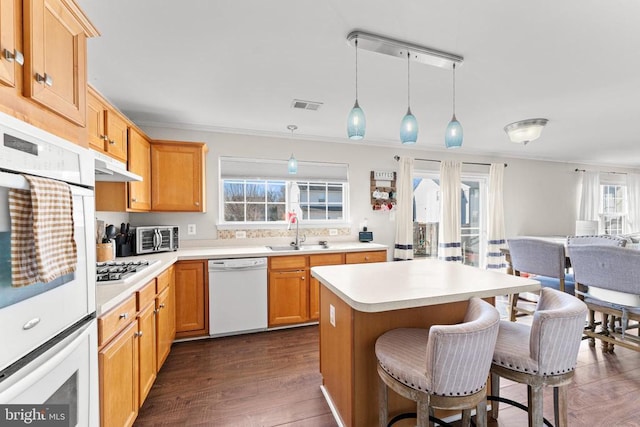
{"x": 444, "y": 367}
{"x": 543, "y": 354}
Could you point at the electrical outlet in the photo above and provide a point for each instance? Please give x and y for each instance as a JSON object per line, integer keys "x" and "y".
{"x": 241, "y": 234}
{"x": 333, "y": 232}
{"x": 191, "y": 229}
{"x": 332, "y": 315}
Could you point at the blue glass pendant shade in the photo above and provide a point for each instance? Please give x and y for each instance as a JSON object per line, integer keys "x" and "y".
{"x": 409, "y": 128}
{"x": 356, "y": 122}
{"x": 453, "y": 134}
{"x": 292, "y": 165}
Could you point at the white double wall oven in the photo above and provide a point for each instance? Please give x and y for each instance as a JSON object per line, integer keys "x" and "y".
{"x": 48, "y": 331}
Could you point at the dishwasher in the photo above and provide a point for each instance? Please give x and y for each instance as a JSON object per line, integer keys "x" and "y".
{"x": 237, "y": 296}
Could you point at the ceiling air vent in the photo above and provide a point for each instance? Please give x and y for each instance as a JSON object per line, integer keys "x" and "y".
{"x": 306, "y": 105}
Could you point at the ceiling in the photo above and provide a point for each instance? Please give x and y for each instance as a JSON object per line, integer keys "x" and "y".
{"x": 236, "y": 66}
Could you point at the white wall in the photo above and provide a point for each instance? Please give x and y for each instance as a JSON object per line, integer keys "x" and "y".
{"x": 540, "y": 197}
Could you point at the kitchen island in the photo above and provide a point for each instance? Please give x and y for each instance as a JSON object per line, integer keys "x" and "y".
{"x": 360, "y": 302}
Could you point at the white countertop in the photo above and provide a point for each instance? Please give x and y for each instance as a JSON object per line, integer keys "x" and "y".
{"x": 388, "y": 286}
{"x": 110, "y": 295}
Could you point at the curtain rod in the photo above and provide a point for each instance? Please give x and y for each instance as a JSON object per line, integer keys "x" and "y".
{"x": 396, "y": 157}
{"x": 617, "y": 173}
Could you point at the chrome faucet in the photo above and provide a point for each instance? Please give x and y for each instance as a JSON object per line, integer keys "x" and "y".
{"x": 296, "y": 244}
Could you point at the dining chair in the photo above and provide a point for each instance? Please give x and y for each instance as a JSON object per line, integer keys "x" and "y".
{"x": 544, "y": 259}
{"x": 607, "y": 281}
{"x": 445, "y": 366}
{"x": 543, "y": 354}
{"x": 600, "y": 239}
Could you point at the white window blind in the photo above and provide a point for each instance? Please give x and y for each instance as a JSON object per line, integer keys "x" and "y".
{"x": 267, "y": 169}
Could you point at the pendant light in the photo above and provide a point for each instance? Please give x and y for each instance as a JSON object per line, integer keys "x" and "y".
{"x": 409, "y": 124}
{"x": 356, "y": 121}
{"x": 453, "y": 134}
{"x": 292, "y": 164}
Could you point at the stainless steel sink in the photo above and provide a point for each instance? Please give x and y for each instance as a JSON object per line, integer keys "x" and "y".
{"x": 298, "y": 248}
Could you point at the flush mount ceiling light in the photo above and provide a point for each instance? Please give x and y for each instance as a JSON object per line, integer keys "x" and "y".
{"x": 413, "y": 52}
{"x": 525, "y": 131}
{"x": 292, "y": 164}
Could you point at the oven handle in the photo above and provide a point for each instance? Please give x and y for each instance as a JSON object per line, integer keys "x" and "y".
{"x": 17, "y": 181}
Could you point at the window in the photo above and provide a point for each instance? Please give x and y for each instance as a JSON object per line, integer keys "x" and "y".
{"x": 613, "y": 200}
{"x": 256, "y": 191}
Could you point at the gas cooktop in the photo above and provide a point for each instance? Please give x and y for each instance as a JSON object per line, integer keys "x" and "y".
{"x": 111, "y": 272}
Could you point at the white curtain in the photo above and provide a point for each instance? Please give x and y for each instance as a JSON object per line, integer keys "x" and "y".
{"x": 403, "y": 249}
{"x": 449, "y": 246}
{"x": 633, "y": 202}
{"x": 495, "y": 232}
{"x": 590, "y": 197}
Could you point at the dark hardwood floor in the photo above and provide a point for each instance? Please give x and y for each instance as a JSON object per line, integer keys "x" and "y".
{"x": 272, "y": 379}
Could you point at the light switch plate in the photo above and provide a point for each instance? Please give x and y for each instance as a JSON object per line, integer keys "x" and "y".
{"x": 191, "y": 229}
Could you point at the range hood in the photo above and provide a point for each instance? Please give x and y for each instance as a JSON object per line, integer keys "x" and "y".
{"x": 110, "y": 169}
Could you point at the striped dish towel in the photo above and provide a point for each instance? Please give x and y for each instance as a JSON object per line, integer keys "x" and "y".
{"x": 42, "y": 243}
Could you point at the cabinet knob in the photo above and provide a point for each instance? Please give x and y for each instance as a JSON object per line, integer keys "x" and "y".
{"x": 134, "y": 199}
{"x": 302, "y": 278}
{"x": 47, "y": 80}
{"x": 138, "y": 334}
{"x": 161, "y": 306}
{"x": 197, "y": 203}
{"x": 112, "y": 142}
{"x": 16, "y": 55}
{"x": 104, "y": 137}
{"x": 124, "y": 315}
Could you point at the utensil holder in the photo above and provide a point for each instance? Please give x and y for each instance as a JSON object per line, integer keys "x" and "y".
{"x": 104, "y": 252}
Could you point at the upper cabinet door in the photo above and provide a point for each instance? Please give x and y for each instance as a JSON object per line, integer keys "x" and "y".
{"x": 8, "y": 44}
{"x": 178, "y": 176}
{"x": 116, "y": 127}
{"x": 95, "y": 122}
{"x": 139, "y": 163}
{"x": 55, "y": 41}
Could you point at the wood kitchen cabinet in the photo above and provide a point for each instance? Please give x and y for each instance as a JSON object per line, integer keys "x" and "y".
{"x": 165, "y": 314}
{"x": 60, "y": 108}
{"x": 8, "y": 41}
{"x": 146, "y": 303}
{"x": 294, "y": 295}
{"x": 129, "y": 196}
{"x": 364, "y": 257}
{"x": 118, "y": 367}
{"x": 178, "y": 176}
{"x": 55, "y": 44}
{"x": 139, "y": 156}
{"x": 288, "y": 294}
{"x": 134, "y": 340}
{"x": 192, "y": 298}
{"x": 107, "y": 129}
{"x": 317, "y": 260}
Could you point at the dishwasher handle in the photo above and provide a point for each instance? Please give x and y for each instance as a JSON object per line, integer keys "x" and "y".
{"x": 237, "y": 264}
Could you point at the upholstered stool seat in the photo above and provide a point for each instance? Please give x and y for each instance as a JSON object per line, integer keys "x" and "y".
{"x": 543, "y": 354}
{"x": 446, "y": 366}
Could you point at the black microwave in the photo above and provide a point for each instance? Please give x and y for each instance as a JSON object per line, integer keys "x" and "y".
{"x": 157, "y": 238}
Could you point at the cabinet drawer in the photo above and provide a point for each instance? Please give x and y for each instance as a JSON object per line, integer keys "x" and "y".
{"x": 163, "y": 280}
{"x": 362, "y": 257}
{"x": 146, "y": 294}
{"x": 326, "y": 259}
{"x": 116, "y": 319}
{"x": 287, "y": 262}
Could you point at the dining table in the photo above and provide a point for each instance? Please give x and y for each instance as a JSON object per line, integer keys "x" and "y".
{"x": 359, "y": 302}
